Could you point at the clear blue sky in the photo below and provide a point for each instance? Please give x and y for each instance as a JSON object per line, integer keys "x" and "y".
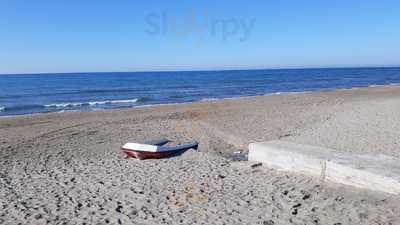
{"x": 132, "y": 35}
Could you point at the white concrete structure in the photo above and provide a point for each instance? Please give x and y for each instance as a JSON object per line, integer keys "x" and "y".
{"x": 374, "y": 172}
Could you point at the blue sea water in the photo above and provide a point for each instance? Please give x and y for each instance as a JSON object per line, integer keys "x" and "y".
{"x": 40, "y": 93}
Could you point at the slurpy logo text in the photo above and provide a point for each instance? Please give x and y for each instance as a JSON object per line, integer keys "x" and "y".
{"x": 200, "y": 27}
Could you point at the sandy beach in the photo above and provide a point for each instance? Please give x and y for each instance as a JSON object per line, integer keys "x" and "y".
{"x": 66, "y": 168}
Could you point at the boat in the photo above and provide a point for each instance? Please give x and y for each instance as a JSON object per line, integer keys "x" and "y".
{"x": 155, "y": 149}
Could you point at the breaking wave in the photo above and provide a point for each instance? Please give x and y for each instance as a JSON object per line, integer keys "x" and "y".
{"x": 94, "y": 103}
{"x": 210, "y": 99}
{"x": 68, "y": 106}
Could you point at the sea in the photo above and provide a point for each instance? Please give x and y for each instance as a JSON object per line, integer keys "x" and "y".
{"x": 22, "y": 94}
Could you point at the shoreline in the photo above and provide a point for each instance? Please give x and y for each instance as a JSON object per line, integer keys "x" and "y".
{"x": 197, "y": 101}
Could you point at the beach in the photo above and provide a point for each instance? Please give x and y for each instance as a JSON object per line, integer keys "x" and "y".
{"x": 66, "y": 168}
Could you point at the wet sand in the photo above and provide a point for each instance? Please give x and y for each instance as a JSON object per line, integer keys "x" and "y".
{"x": 66, "y": 168}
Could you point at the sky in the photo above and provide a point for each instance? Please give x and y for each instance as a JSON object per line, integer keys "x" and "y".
{"x": 45, "y": 36}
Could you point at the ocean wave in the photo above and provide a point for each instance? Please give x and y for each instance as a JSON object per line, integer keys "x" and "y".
{"x": 63, "y": 111}
{"x": 226, "y": 98}
{"x": 66, "y": 105}
{"x": 377, "y": 85}
{"x": 69, "y": 106}
{"x": 210, "y": 99}
{"x": 287, "y": 93}
{"x": 114, "y": 102}
{"x": 94, "y": 103}
{"x": 21, "y": 107}
{"x": 75, "y": 92}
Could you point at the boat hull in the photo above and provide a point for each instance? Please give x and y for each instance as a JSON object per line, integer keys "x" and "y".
{"x": 150, "y": 155}
{"x": 164, "y": 152}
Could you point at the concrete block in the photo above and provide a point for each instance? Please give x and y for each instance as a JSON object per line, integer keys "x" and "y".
{"x": 369, "y": 171}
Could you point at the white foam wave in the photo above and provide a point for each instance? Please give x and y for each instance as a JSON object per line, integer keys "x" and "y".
{"x": 114, "y": 102}
{"x": 210, "y": 99}
{"x": 287, "y": 93}
{"x": 64, "y": 111}
{"x": 65, "y": 105}
{"x": 376, "y": 85}
{"x": 227, "y": 98}
{"x": 95, "y": 103}
{"x": 2, "y": 108}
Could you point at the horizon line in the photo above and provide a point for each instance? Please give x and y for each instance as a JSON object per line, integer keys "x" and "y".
{"x": 206, "y": 70}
